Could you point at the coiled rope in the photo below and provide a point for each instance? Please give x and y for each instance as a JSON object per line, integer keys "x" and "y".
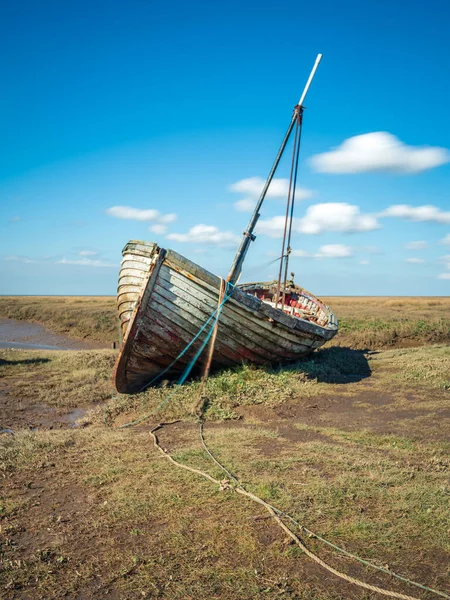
{"x": 312, "y": 534}
{"x": 276, "y": 513}
{"x": 225, "y": 484}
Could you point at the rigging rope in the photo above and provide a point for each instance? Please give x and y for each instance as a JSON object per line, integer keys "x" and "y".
{"x": 291, "y": 216}
{"x": 298, "y": 111}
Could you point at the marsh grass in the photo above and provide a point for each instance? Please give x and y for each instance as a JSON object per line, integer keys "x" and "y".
{"x": 246, "y": 385}
{"x": 58, "y": 378}
{"x": 426, "y": 366}
{"x": 182, "y": 535}
{"x": 95, "y": 512}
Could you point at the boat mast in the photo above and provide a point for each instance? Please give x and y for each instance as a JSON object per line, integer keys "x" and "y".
{"x": 248, "y": 235}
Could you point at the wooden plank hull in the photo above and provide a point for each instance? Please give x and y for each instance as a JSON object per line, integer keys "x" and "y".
{"x": 165, "y": 299}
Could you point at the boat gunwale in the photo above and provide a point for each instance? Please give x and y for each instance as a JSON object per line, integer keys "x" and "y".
{"x": 244, "y": 299}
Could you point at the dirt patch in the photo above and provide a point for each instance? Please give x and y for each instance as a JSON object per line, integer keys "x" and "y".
{"x": 365, "y": 410}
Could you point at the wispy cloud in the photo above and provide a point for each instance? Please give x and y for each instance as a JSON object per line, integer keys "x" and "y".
{"x": 206, "y": 234}
{"x": 371, "y": 249}
{"x": 415, "y": 261}
{"x": 427, "y": 212}
{"x": 19, "y": 258}
{"x": 138, "y": 214}
{"x": 15, "y": 219}
{"x": 364, "y": 262}
{"x": 245, "y": 204}
{"x": 85, "y": 262}
{"x": 379, "y": 151}
{"x": 445, "y": 259}
{"x": 327, "y": 251}
{"x": 446, "y": 240}
{"x": 158, "y": 228}
{"x": 418, "y": 245}
{"x": 88, "y": 253}
{"x": 253, "y": 186}
{"x": 319, "y": 218}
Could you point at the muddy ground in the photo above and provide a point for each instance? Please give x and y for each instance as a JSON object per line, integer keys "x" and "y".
{"x": 360, "y": 455}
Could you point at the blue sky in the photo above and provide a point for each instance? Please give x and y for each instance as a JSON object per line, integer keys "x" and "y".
{"x": 174, "y": 112}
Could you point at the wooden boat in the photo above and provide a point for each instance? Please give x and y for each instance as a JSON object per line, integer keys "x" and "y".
{"x": 164, "y": 299}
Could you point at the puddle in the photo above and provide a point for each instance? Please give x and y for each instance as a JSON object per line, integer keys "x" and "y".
{"x": 21, "y": 413}
{"x": 16, "y": 414}
{"x": 31, "y": 336}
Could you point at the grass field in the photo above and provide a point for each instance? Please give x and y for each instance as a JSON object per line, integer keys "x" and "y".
{"x": 353, "y": 444}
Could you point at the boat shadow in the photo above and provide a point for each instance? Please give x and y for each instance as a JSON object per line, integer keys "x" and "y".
{"x": 333, "y": 365}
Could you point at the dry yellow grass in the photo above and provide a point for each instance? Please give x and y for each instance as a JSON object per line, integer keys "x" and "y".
{"x": 389, "y": 322}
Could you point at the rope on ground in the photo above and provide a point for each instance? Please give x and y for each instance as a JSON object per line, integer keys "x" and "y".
{"x": 312, "y": 534}
{"x": 226, "y": 485}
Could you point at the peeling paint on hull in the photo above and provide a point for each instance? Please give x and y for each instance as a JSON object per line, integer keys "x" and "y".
{"x": 164, "y": 300}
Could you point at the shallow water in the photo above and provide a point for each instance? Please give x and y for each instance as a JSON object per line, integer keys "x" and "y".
{"x": 31, "y": 336}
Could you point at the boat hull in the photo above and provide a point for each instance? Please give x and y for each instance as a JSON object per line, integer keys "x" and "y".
{"x": 165, "y": 299}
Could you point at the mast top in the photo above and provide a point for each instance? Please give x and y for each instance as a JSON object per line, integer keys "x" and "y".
{"x": 308, "y": 83}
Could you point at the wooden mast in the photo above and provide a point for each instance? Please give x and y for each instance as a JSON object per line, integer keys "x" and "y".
{"x": 248, "y": 236}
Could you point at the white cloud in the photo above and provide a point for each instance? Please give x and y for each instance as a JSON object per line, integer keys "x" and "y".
{"x": 87, "y": 253}
{"x": 364, "y": 262}
{"x": 169, "y": 218}
{"x": 427, "y": 212}
{"x": 252, "y": 188}
{"x": 206, "y": 234}
{"x": 158, "y": 228}
{"x": 444, "y": 276}
{"x": 137, "y": 214}
{"x": 446, "y": 240}
{"x": 327, "y": 251}
{"x": 372, "y": 249}
{"x": 331, "y": 216}
{"x": 20, "y": 258}
{"x": 418, "y": 245}
{"x": 336, "y": 216}
{"x": 86, "y": 262}
{"x": 245, "y": 205}
{"x": 273, "y": 227}
{"x": 445, "y": 259}
{"x": 379, "y": 151}
{"x": 415, "y": 261}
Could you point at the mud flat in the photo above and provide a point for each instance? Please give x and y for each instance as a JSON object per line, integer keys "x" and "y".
{"x": 32, "y": 400}
{"x": 32, "y": 336}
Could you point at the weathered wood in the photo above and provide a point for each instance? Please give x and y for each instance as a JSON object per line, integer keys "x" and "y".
{"x": 163, "y": 301}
